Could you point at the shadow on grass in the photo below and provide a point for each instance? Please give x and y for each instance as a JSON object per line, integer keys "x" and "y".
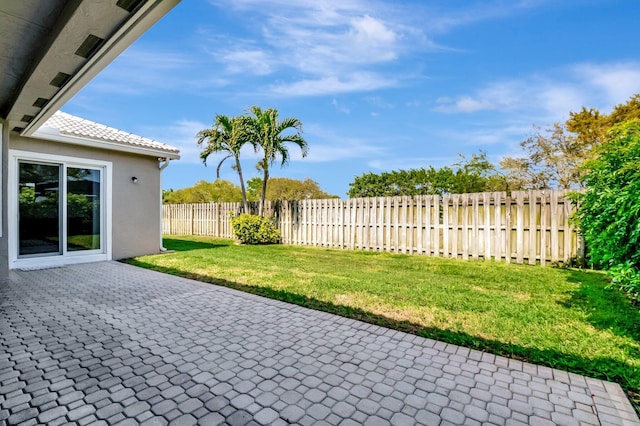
{"x": 601, "y": 368}
{"x": 183, "y": 245}
{"x": 605, "y": 309}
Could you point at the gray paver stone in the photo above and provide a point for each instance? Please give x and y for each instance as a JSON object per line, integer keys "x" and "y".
{"x": 189, "y": 351}
{"x": 213, "y": 419}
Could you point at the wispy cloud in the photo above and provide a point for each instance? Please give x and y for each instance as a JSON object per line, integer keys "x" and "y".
{"x": 181, "y": 134}
{"x": 389, "y": 164}
{"x": 357, "y": 82}
{"x": 327, "y": 146}
{"x": 616, "y": 81}
{"x": 332, "y": 47}
{"x": 142, "y": 69}
{"x": 339, "y": 107}
{"x": 251, "y": 61}
{"x": 554, "y": 94}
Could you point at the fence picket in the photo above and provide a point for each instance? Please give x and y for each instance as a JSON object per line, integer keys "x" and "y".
{"x": 454, "y": 225}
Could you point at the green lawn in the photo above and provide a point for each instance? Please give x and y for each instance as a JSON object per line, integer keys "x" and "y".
{"x": 561, "y": 318}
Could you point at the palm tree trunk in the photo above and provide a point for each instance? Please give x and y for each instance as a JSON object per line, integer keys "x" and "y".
{"x": 264, "y": 189}
{"x": 245, "y": 203}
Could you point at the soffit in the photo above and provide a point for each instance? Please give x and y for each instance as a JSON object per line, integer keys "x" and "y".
{"x": 40, "y": 41}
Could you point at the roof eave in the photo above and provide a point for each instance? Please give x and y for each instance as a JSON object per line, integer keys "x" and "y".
{"x": 144, "y": 18}
{"x": 54, "y": 135}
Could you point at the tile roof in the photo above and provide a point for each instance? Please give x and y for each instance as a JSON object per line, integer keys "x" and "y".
{"x": 70, "y": 125}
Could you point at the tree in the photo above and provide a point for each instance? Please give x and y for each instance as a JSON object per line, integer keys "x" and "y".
{"x": 609, "y": 210}
{"x": 218, "y": 191}
{"x": 266, "y": 131}
{"x": 554, "y": 157}
{"x": 280, "y": 189}
{"x": 630, "y": 110}
{"x": 475, "y": 174}
{"x": 254, "y": 188}
{"x": 227, "y": 135}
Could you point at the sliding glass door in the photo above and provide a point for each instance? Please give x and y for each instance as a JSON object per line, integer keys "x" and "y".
{"x": 39, "y": 209}
{"x": 59, "y": 209}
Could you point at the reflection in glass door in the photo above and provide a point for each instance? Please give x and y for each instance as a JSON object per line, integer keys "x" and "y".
{"x": 83, "y": 209}
{"x": 39, "y": 209}
{"x": 59, "y": 209}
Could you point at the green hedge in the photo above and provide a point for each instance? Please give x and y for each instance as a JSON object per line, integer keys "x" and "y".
{"x": 253, "y": 229}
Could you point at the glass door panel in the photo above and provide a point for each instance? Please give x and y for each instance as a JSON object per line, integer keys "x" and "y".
{"x": 39, "y": 209}
{"x": 83, "y": 209}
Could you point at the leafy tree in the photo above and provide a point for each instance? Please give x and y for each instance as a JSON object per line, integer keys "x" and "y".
{"x": 475, "y": 174}
{"x": 228, "y": 135}
{"x": 625, "y": 112}
{"x": 553, "y": 159}
{"x": 254, "y": 188}
{"x": 609, "y": 210}
{"x": 267, "y": 132}
{"x": 280, "y": 188}
{"x": 554, "y": 156}
{"x": 218, "y": 191}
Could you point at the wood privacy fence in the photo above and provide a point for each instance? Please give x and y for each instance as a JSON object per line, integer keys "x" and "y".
{"x": 521, "y": 227}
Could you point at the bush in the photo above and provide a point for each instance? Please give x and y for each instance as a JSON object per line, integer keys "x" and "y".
{"x": 609, "y": 210}
{"x": 253, "y": 229}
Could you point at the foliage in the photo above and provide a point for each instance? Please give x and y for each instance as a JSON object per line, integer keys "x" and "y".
{"x": 561, "y": 318}
{"x": 287, "y": 189}
{"x": 267, "y": 131}
{"x": 218, "y": 191}
{"x": 476, "y": 174}
{"x": 38, "y": 206}
{"x": 609, "y": 211}
{"x": 254, "y": 188}
{"x": 554, "y": 157}
{"x": 81, "y": 206}
{"x": 228, "y": 135}
{"x": 627, "y": 278}
{"x": 253, "y": 229}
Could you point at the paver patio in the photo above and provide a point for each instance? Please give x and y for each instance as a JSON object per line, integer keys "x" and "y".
{"x": 110, "y": 343}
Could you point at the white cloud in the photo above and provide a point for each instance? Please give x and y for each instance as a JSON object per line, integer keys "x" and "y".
{"x": 247, "y": 61}
{"x": 617, "y": 81}
{"x": 358, "y": 82}
{"x": 554, "y": 94}
{"x": 463, "y": 104}
{"x": 331, "y": 46}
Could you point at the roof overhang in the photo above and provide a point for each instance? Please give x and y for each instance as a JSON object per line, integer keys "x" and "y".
{"x": 50, "y": 50}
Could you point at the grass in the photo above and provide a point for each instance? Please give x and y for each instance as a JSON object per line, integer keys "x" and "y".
{"x": 560, "y": 318}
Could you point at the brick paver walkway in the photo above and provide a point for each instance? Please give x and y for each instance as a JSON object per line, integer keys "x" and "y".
{"x": 109, "y": 343}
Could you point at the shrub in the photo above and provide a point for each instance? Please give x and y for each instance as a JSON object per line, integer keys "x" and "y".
{"x": 609, "y": 210}
{"x": 253, "y": 229}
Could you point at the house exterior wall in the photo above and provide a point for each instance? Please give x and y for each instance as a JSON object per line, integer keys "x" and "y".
{"x": 136, "y": 212}
{"x": 4, "y": 149}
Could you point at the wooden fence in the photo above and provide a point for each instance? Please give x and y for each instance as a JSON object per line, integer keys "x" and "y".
{"x": 522, "y": 227}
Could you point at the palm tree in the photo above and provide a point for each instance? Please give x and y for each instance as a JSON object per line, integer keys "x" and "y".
{"x": 266, "y": 132}
{"x": 228, "y": 135}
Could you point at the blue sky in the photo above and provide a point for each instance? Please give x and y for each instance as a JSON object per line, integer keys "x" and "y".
{"x": 378, "y": 85}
